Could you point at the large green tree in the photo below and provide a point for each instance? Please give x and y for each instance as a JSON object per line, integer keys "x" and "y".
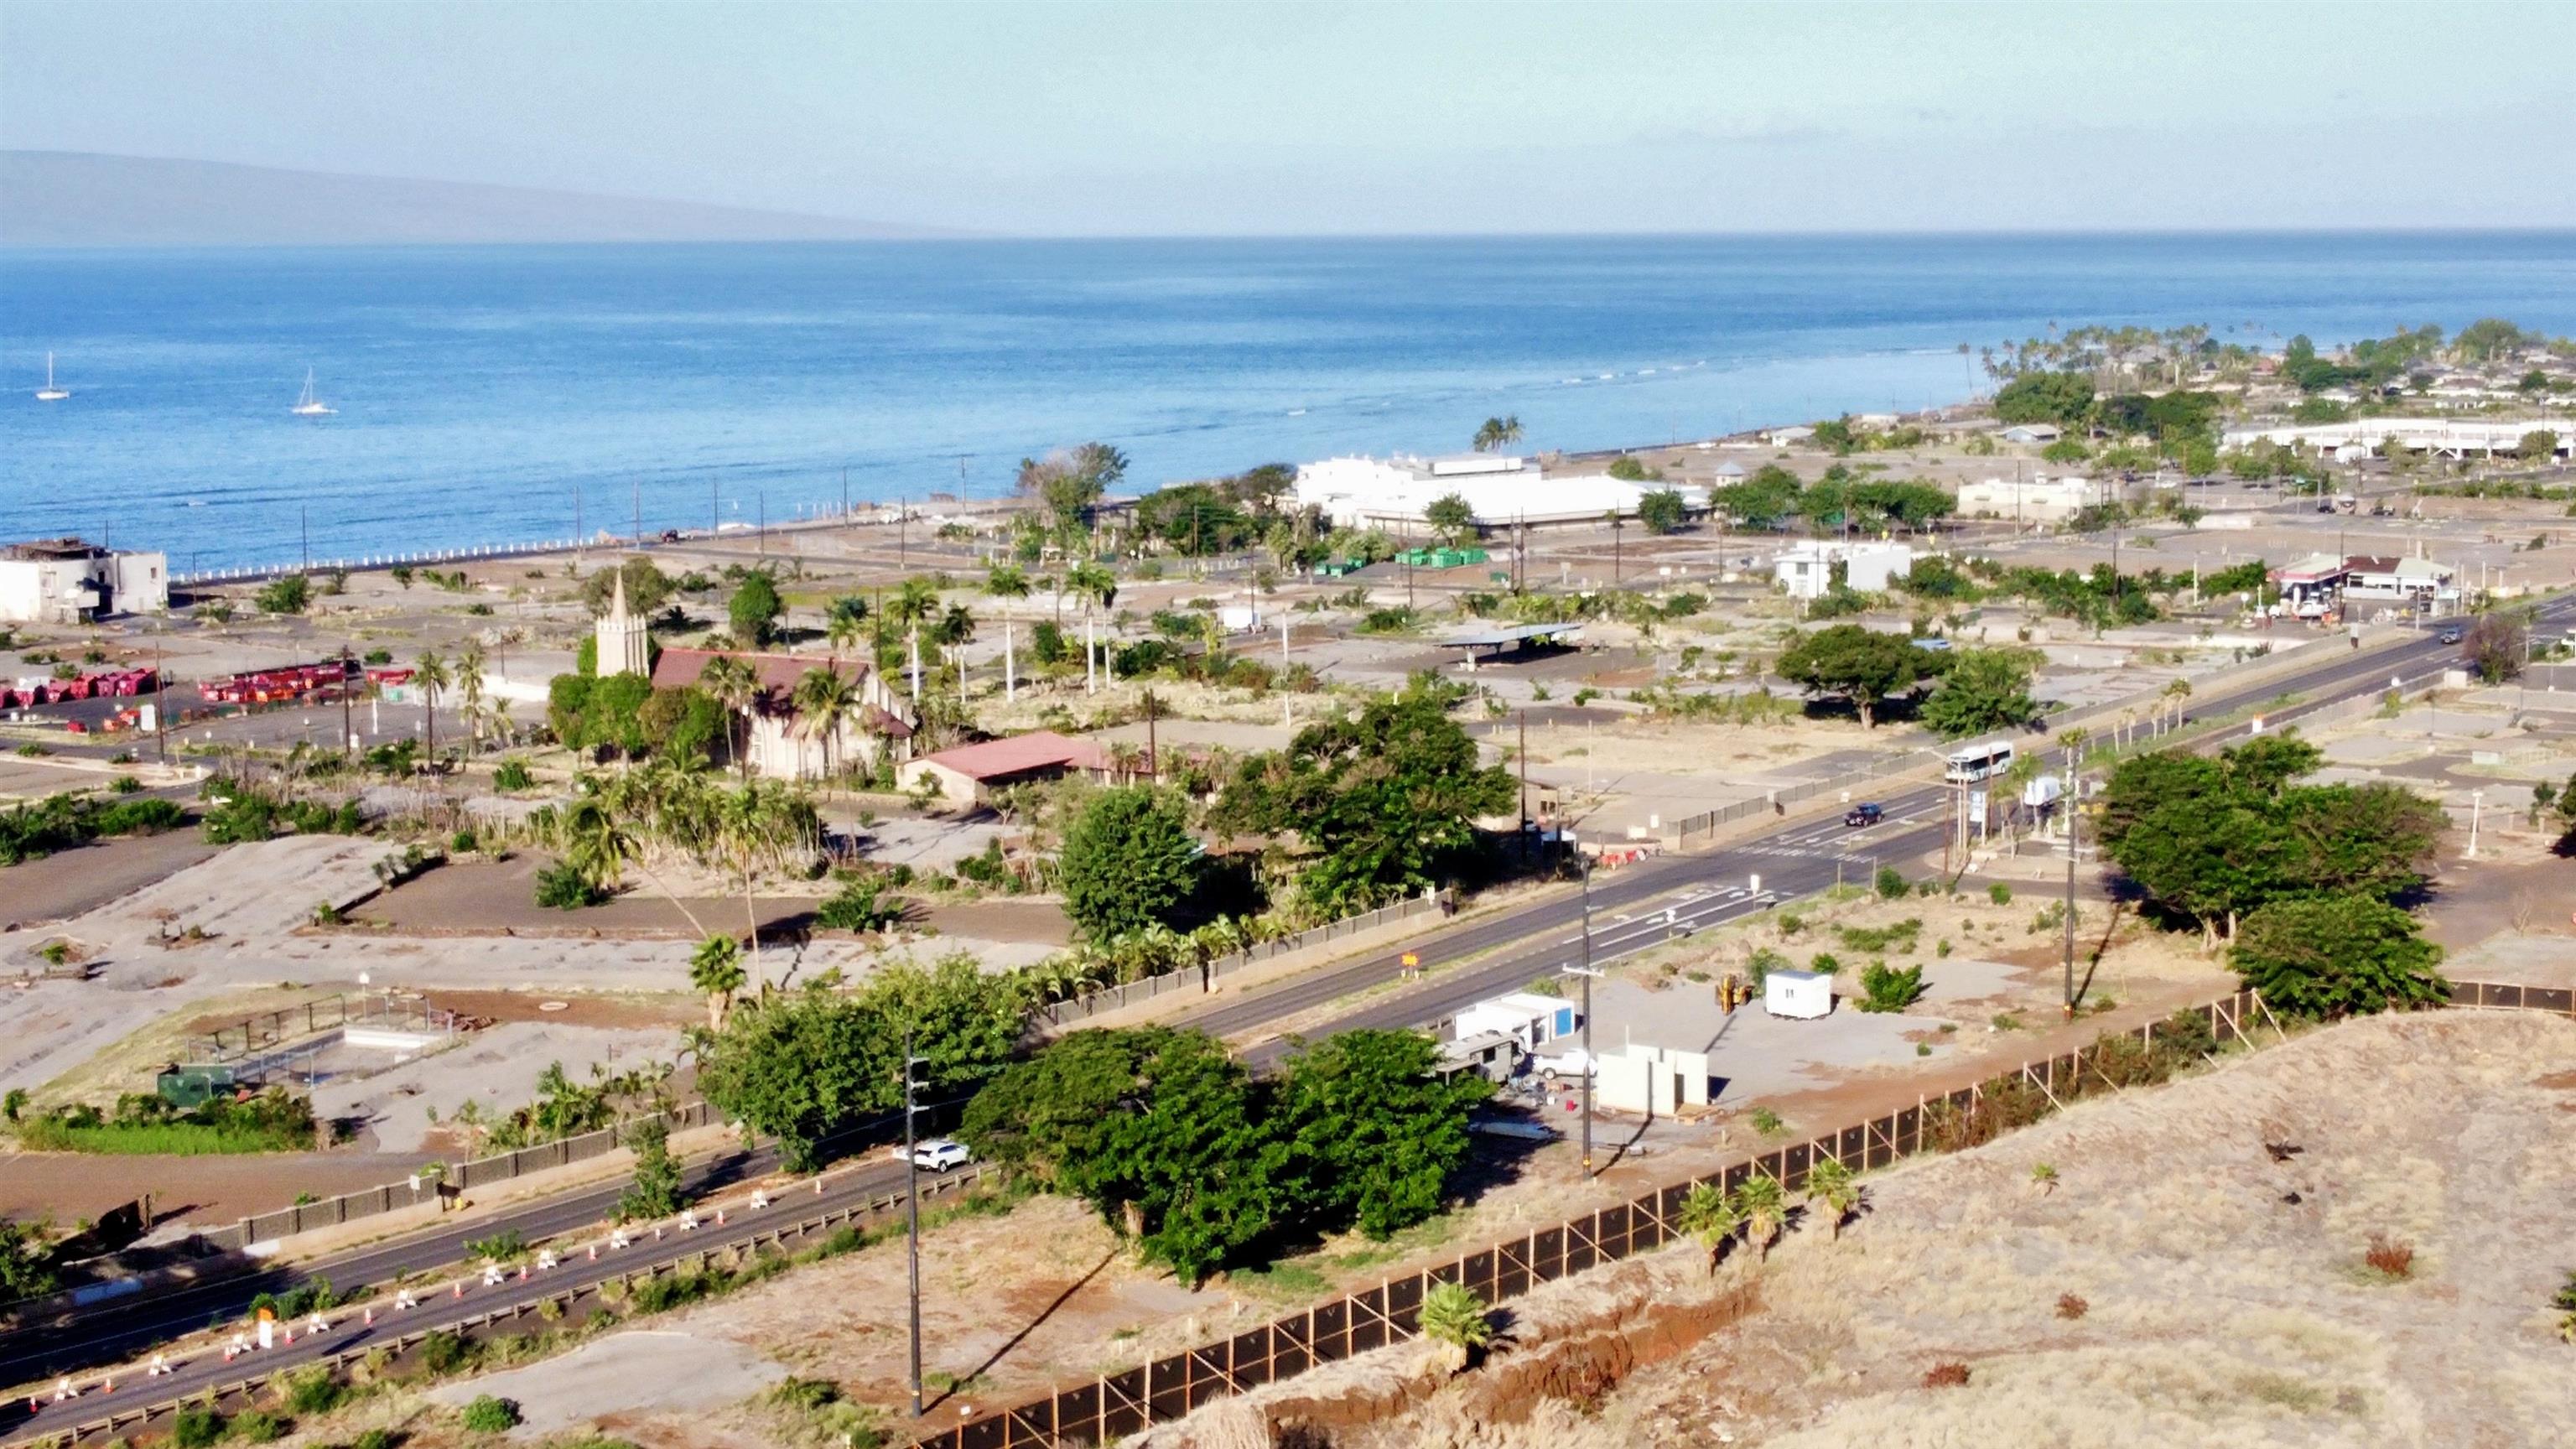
{"x": 1452, "y": 517}
{"x": 2063, "y": 398}
{"x": 800, "y": 1066}
{"x": 1662, "y": 510}
{"x": 1983, "y": 690}
{"x": 1861, "y": 665}
{"x": 1375, "y": 1134}
{"x": 647, "y": 587}
{"x": 754, "y": 609}
{"x": 2330, "y": 956}
{"x": 1128, "y": 862}
{"x": 1385, "y": 797}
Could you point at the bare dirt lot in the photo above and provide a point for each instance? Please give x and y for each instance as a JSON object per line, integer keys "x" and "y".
{"x": 2180, "y": 1284}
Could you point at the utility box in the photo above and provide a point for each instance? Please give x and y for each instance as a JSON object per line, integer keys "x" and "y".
{"x": 1803, "y": 995}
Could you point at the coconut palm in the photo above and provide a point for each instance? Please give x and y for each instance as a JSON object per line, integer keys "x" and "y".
{"x": 1764, "y": 1207}
{"x": 1709, "y": 1216}
{"x": 1096, "y": 586}
{"x": 735, "y": 685}
{"x": 716, "y": 969}
{"x": 825, "y": 701}
{"x": 469, "y": 690}
{"x": 2176, "y": 695}
{"x": 1006, "y": 581}
{"x": 429, "y": 672}
{"x": 1498, "y": 433}
{"x": 1454, "y": 1318}
{"x": 1831, "y": 1188}
{"x": 743, "y": 824}
{"x": 847, "y": 623}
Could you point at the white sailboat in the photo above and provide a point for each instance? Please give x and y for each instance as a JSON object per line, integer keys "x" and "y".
{"x": 49, "y": 392}
{"x": 309, "y": 406}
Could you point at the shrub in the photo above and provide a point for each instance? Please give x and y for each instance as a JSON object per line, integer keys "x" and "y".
{"x": 2000, "y": 893}
{"x": 2070, "y": 1306}
{"x": 257, "y": 1427}
{"x": 125, "y": 785}
{"x": 1946, "y": 1376}
{"x": 1767, "y": 1122}
{"x": 2390, "y": 1258}
{"x": 563, "y": 887}
{"x": 443, "y": 1352}
{"x": 501, "y": 1247}
{"x": 1888, "y": 989}
{"x": 491, "y": 1414}
{"x": 314, "y": 1391}
{"x": 862, "y": 905}
{"x": 376, "y": 1439}
{"x": 1890, "y": 883}
{"x": 513, "y": 774}
{"x": 196, "y": 1427}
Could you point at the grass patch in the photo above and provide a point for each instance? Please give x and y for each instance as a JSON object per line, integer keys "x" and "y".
{"x": 1287, "y": 1280}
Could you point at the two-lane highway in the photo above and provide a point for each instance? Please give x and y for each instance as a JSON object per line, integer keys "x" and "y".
{"x": 1630, "y": 912}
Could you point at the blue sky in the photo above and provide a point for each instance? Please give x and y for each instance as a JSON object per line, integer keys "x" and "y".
{"x": 1386, "y": 117}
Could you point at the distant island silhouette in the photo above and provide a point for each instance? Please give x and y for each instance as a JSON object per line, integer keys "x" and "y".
{"x": 82, "y": 199}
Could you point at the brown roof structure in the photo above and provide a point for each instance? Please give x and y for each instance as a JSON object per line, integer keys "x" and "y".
{"x": 1038, "y": 752}
{"x": 777, "y": 673}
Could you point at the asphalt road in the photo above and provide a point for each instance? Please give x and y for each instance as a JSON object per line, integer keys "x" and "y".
{"x": 1628, "y": 909}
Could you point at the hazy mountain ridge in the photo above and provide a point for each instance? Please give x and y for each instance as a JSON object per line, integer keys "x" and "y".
{"x": 80, "y": 199}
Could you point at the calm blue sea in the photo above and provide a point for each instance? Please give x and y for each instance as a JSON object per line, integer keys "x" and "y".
{"x": 480, "y": 391}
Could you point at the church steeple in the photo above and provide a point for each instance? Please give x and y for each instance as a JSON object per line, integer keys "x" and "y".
{"x": 624, "y": 643}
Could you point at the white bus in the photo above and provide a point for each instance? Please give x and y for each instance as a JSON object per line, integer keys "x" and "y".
{"x": 1972, "y": 763}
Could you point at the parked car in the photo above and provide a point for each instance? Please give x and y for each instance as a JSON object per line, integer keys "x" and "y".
{"x": 1867, "y": 812}
{"x": 1573, "y": 1062}
{"x": 938, "y": 1154}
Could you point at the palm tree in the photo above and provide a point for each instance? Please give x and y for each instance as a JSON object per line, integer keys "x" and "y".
{"x": 847, "y": 622}
{"x": 430, "y": 673}
{"x": 915, "y": 602}
{"x": 743, "y": 822}
{"x": 736, "y": 686}
{"x": 1453, "y": 1317}
{"x": 1830, "y": 1186}
{"x": 716, "y": 969}
{"x": 825, "y": 700}
{"x": 469, "y": 688}
{"x": 1764, "y": 1207}
{"x": 1709, "y": 1216}
{"x": 2176, "y": 695}
{"x": 1097, "y": 586}
{"x": 497, "y": 715}
{"x": 1006, "y": 581}
{"x": 1498, "y": 433}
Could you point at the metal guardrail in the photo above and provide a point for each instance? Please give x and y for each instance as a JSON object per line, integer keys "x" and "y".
{"x": 343, "y": 1361}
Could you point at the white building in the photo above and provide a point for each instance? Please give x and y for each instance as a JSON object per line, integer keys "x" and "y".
{"x": 2031, "y": 433}
{"x": 1501, "y": 488}
{"x": 1524, "y": 1016}
{"x": 2034, "y": 500}
{"x": 1806, "y": 570}
{"x": 2441, "y": 437}
{"x": 68, "y": 581}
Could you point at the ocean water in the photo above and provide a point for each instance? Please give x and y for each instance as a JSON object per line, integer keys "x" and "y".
{"x": 484, "y": 395}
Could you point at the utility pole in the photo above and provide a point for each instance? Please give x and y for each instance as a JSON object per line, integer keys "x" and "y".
{"x": 2073, "y": 813}
{"x": 1153, "y": 760}
{"x": 576, "y": 522}
{"x": 845, "y": 495}
{"x": 638, "y": 485}
{"x": 715, "y": 509}
{"x": 1523, "y": 760}
{"x": 347, "y": 744}
{"x": 902, "y": 533}
{"x": 304, "y": 524}
{"x": 161, "y": 705}
{"x": 763, "y": 510}
{"x": 912, "y": 1208}
{"x": 1587, "y": 972}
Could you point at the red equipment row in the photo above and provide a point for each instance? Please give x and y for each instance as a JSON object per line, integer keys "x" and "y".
{"x": 267, "y": 686}
{"x": 108, "y": 684}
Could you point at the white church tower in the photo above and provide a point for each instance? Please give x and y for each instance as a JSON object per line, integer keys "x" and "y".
{"x": 624, "y": 643}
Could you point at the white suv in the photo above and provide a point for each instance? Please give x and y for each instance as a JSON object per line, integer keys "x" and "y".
{"x": 939, "y": 1154}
